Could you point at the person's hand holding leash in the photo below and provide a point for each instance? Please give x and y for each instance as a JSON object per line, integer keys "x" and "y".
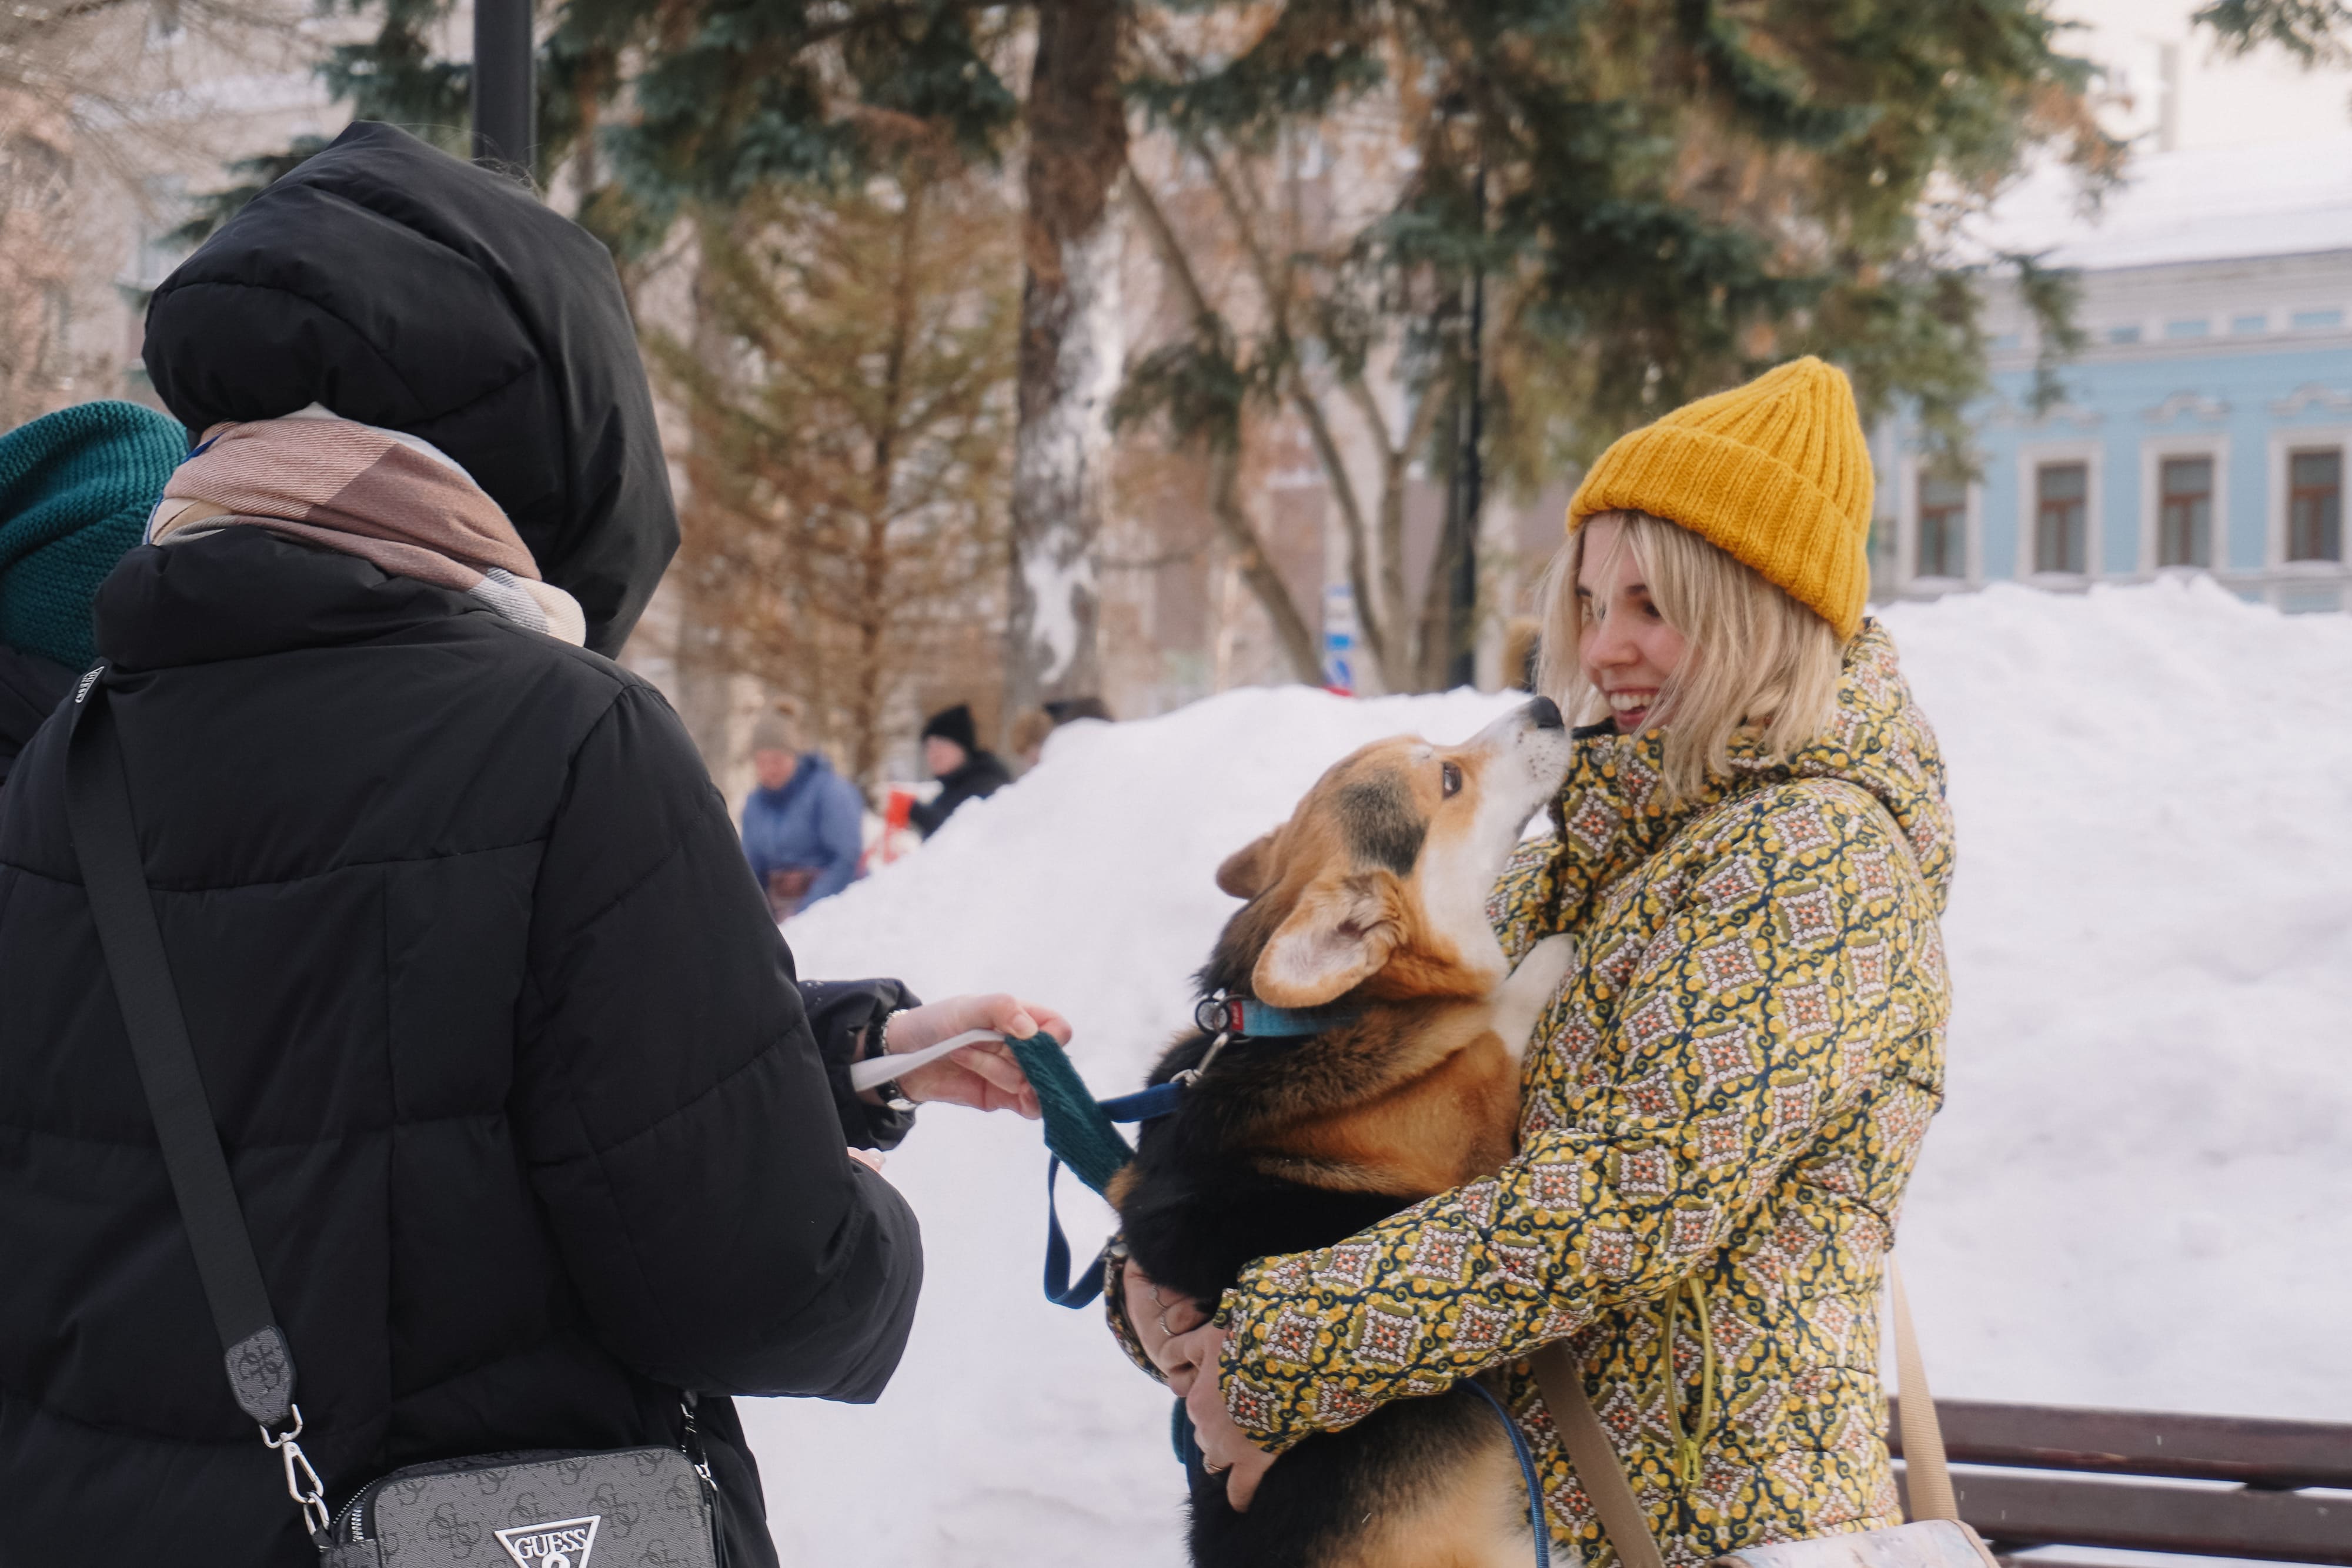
{"x": 985, "y": 1075}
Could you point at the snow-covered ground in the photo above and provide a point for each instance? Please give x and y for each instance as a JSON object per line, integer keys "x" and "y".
{"x": 2139, "y": 1193}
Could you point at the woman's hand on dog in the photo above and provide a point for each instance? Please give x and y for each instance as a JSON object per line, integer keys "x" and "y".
{"x": 984, "y": 1076}
{"x": 1190, "y": 1362}
{"x": 1157, "y": 1315}
{"x": 1174, "y": 1333}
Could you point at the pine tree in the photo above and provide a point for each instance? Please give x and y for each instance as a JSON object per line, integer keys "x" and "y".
{"x": 850, "y": 398}
{"x": 2313, "y": 32}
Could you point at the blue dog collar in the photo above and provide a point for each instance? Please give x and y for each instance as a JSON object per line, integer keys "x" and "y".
{"x": 1245, "y": 1018}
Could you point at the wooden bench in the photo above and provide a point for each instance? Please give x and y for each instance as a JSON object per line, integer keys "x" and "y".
{"x": 2212, "y": 1486}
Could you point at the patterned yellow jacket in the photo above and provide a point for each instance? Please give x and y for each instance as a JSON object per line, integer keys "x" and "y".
{"x": 1721, "y": 1109}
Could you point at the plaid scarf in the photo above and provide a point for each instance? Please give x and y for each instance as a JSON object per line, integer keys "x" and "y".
{"x": 391, "y": 499}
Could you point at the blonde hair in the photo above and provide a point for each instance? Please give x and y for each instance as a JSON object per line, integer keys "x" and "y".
{"x": 1757, "y": 660}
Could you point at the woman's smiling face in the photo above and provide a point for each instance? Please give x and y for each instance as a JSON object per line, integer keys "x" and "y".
{"x": 1626, "y": 647}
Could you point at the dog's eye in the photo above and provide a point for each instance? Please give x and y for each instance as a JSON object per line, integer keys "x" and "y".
{"x": 1452, "y": 775}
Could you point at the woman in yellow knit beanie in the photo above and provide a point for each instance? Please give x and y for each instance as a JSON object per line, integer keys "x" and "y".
{"x": 1745, "y": 520}
{"x": 1722, "y": 1107}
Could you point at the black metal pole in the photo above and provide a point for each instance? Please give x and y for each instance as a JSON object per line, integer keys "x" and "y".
{"x": 1462, "y": 669}
{"x": 505, "y": 103}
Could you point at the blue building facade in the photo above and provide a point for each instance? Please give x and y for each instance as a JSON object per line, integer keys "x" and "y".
{"x": 2207, "y": 427}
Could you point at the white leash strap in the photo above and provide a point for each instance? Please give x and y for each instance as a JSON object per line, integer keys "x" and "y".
{"x": 876, "y": 1071}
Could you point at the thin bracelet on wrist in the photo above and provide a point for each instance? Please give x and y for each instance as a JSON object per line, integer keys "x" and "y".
{"x": 893, "y": 1098}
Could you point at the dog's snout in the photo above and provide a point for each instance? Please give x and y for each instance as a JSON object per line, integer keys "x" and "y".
{"x": 1544, "y": 713}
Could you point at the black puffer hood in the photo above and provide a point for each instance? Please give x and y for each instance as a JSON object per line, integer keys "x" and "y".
{"x": 401, "y": 288}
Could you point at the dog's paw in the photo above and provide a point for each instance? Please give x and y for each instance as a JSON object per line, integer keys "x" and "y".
{"x": 1545, "y": 965}
{"x": 1529, "y": 990}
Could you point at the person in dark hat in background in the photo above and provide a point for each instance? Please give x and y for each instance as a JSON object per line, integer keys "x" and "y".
{"x": 952, "y": 751}
{"x": 76, "y": 487}
{"x": 533, "y": 1127}
{"x": 1030, "y": 727}
{"x": 1069, "y": 710}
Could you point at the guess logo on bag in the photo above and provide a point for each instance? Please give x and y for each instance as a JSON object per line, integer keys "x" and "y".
{"x": 559, "y": 1543}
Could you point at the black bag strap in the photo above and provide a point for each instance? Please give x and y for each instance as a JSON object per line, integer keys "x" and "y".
{"x": 106, "y": 842}
{"x": 98, "y": 808}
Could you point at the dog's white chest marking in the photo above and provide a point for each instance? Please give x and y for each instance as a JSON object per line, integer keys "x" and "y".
{"x": 1521, "y": 999}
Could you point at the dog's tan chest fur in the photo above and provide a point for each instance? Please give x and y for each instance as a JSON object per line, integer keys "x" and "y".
{"x": 1453, "y": 1122}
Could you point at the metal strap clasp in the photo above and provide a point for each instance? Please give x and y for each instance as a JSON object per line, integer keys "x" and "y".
{"x": 302, "y": 1482}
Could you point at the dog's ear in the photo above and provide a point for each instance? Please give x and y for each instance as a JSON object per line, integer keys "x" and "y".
{"x": 1246, "y": 871}
{"x": 1338, "y": 937}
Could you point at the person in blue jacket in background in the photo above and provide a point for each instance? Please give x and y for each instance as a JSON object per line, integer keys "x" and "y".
{"x": 803, "y": 823}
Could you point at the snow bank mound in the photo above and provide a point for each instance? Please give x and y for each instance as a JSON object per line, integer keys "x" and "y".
{"x": 2139, "y": 1193}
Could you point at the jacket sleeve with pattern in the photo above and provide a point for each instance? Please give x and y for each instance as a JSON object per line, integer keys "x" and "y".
{"x": 679, "y": 1117}
{"x": 1735, "y": 1026}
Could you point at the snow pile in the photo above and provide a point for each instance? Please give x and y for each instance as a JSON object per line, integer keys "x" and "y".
{"x": 2139, "y": 1194}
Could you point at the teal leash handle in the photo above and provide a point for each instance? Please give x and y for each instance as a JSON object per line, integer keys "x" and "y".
{"x": 1077, "y": 1130}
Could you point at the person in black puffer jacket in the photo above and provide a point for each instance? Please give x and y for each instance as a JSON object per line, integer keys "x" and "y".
{"x": 532, "y": 1125}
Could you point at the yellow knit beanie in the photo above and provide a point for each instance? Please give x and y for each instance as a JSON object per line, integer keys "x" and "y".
{"x": 1775, "y": 474}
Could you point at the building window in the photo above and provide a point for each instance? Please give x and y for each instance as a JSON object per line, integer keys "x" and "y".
{"x": 2184, "y": 515}
{"x": 2255, "y": 323}
{"x": 1943, "y": 527}
{"x": 2061, "y": 515}
{"x": 2122, "y": 334}
{"x": 2315, "y": 504}
{"x": 2195, "y": 328}
{"x": 2316, "y": 320}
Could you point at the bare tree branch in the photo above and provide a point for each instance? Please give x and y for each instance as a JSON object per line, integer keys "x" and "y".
{"x": 1232, "y": 519}
{"x": 1372, "y": 613}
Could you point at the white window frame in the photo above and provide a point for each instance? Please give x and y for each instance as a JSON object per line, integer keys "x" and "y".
{"x": 1907, "y": 530}
{"x": 2039, "y": 455}
{"x": 2153, "y": 451}
{"x": 2284, "y": 443}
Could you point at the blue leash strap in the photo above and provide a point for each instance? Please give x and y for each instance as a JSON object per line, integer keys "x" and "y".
{"x": 1060, "y": 1288}
{"x": 1158, "y": 1100}
{"x": 1526, "y": 1472}
{"x": 1145, "y": 1104}
{"x": 1180, "y": 1437}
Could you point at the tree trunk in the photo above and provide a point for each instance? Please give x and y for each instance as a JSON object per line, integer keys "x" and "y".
{"x": 1070, "y": 351}
{"x": 705, "y": 682}
{"x": 873, "y": 608}
{"x": 1290, "y": 628}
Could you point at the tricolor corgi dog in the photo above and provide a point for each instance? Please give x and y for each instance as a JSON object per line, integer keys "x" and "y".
{"x": 1366, "y": 911}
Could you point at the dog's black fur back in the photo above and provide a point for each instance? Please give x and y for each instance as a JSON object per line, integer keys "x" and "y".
{"x": 1200, "y": 1212}
{"x": 1397, "y": 1457}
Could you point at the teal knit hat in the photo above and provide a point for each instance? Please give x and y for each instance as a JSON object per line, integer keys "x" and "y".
{"x": 76, "y": 487}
